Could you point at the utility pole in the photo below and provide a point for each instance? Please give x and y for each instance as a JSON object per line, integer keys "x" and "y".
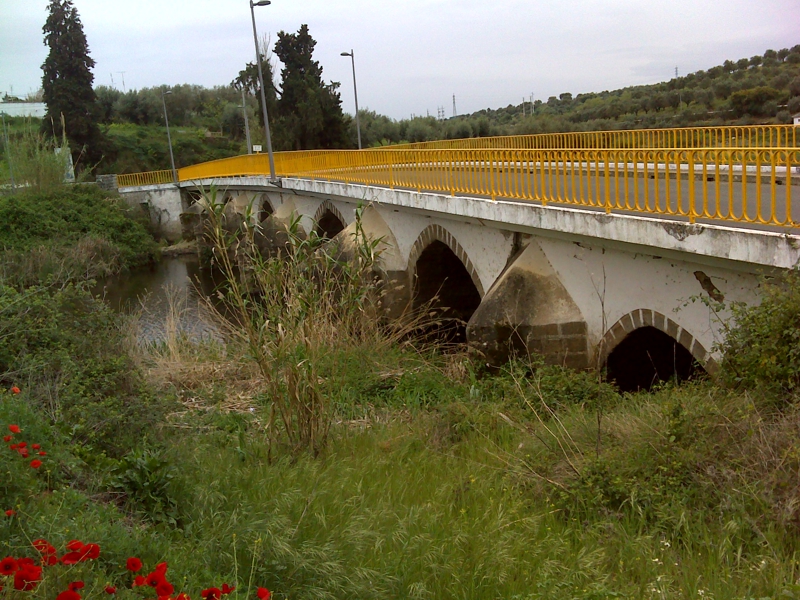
{"x": 455, "y": 112}
{"x": 123, "y": 80}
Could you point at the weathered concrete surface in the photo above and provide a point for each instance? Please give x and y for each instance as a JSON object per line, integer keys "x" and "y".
{"x": 163, "y": 203}
{"x": 566, "y": 282}
{"x": 529, "y": 309}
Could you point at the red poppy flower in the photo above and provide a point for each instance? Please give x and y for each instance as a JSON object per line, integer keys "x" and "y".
{"x": 90, "y": 552}
{"x": 133, "y": 565}
{"x": 139, "y": 580}
{"x": 69, "y": 595}
{"x": 14, "y": 428}
{"x": 13, "y": 446}
{"x": 263, "y": 593}
{"x": 7, "y": 566}
{"x": 75, "y": 545}
{"x": 75, "y": 586}
{"x": 161, "y": 567}
{"x": 164, "y": 588}
{"x": 211, "y": 594}
{"x": 15, "y": 390}
{"x": 36, "y": 446}
{"x": 72, "y": 558}
{"x": 26, "y": 577}
{"x": 182, "y": 596}
{"x": 35, "y": 463}
{"x": 227, "y": 589}
{"x": 10, "y": 513}
{"x": 22, "y": 562}
{"x": 40, "y": 545}
{"x": 154, "y": 578}
{"x": 22, "y": 444}
{"x": 110, "y": 590}
{"x": 24, "y": 454}
{"x": 8, "y": 438}
{"x": 50, "y": 560}
{"x": 42, "y": 453}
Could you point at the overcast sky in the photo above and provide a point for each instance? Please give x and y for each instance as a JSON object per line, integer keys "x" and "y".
{"x": 412, "y": 56}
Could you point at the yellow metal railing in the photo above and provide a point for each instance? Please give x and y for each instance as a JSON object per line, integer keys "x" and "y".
{"x": 151, "y": 178}
{"x": 742, "y": 185}
{"x": 750, "y": 136}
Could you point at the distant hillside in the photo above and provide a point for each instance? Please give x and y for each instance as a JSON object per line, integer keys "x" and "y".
{"x": 760, "y": 89}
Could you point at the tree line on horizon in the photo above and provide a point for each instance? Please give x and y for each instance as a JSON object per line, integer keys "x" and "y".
{"x": 114, "y": 131}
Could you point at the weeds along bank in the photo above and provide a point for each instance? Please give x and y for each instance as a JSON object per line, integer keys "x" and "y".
{"x": 320, "y": 455}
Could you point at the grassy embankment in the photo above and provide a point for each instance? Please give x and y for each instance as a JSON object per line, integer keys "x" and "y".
{"x": 434, "y": 479}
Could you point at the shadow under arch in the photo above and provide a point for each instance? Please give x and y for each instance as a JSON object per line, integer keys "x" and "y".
{"x": 329, "y": 221}
{"x": 445, "y": 281}
{"x": 265, "y": 208}
{"x": 645, "y": 347}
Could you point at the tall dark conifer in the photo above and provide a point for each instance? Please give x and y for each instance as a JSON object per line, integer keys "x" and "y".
{"x": 310, "y": 111}
{"x": 67, "y": 83}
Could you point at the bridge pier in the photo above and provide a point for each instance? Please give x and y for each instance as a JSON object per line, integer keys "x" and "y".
{"x": 529, "y": 310}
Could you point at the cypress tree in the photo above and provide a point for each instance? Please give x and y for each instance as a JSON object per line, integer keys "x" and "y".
{"x": 67, "y": 83}
{"x": 310, "y": 111}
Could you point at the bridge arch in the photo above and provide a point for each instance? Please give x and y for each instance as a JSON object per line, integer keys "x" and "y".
{"x": 645, "y": 346}
{"x": 444, "y": 278}
{"x": 328, "y": 220}
{"x": 265, "y": 208}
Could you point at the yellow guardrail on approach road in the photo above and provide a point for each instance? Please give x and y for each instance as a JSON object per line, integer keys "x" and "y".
{"x": 749, "y": 136}
{"x": 742, "y": 185}
{"x": 151, "y": 178}
{"x": 730, "y": 179}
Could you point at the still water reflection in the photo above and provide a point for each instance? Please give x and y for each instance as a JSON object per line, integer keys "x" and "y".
{"x": 165, "y": 295}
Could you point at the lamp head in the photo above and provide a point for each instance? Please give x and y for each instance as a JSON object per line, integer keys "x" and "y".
{"x": 260, "y": 3}
{"x": 347, "y": 54}
{"x": 166, "y": 92}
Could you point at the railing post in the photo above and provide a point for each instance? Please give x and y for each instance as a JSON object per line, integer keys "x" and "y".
{"x": 692, "y": 209}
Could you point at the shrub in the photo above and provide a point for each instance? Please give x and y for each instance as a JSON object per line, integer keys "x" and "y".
{"x": 68, "y": 349}
{"x": 762, "y": 349}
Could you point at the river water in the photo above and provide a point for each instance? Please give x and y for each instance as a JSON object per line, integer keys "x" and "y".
{"x": 168, "y": 296}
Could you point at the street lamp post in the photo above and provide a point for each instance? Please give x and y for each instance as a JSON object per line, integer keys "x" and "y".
{"x": 246, "y": 125}
{"x": 352, "y": 56}
{"x": 8, "y": 152}
{"x": 169, "y": 137}
{"x": 261, "y": 84}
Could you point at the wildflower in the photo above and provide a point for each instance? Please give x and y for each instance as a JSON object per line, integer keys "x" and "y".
{"x": 164, "y": 588}
{"x": 90, "y": 552}
{"x": 227, "y": 589}
{"x": 14, "y": 428}
{"x": 8, "y": 438}
{"x": 139, "y": 580}
{"x": 69, "y": 595}
{"x": 75, "y": 545}
{"x": 27, "y": 576}
{"x": 75, "y": 586}
{"x": 161, "y": 568}
{"x": 154, "y": 578}
{"x": 43, "y": 547}
{"x": 50, "y": 560}
{"x": 10, "y": 513}
{"x": 35, "y": 463}
{"x": 211, "y": 594}
{"x": 7, "y": 566}
{"x": 263, "y": 593}
{"x": 110, "y": 590}
{"x": 71, "y": 558}
{"x": 42, "y": 453}
{"x": 182, "y": 596}
{"x": 134, "y": 565}
{"x": 15, "y": 390}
